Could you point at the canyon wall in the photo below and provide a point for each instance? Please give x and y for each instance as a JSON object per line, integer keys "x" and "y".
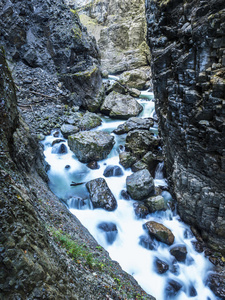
{"x": 187, "y": 45}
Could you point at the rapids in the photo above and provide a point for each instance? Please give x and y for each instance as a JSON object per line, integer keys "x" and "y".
{"x": 125, "y": 239}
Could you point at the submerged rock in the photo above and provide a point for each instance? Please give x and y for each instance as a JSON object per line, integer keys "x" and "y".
{"x": 141, "y": 211}
{"x": 101, "y": 195}
{"x": 91, "y": 145}
{"x": 140, "y": 184}
{"x": 113, "y": 171}
{"x": 120, "y": 106}
{"x": 147, "y": 242}
{"x": 134, "y": 123}
{"x": 160, "y": 232}
{"x": 179, "y": 252}
{"x": 172, "y": 288}
{"x": 110, "y": 231}
{"x": 161, "y": 266}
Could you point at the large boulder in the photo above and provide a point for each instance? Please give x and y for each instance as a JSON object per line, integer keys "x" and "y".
{"x": 91, "y": 145}
{"x": 134, "y": 123}
{"x": 139, "y": 142}
{"x": 120, "y": 106}
{"x": 134, "y": 78}
{"x": 160, "y": 232}
{"x": 155, "y": 203}
{"x": 127, "y": 159}
{"x": 89, "y": 120}
{"x": 101, "y": 195}
{"x": 140, "y": 184}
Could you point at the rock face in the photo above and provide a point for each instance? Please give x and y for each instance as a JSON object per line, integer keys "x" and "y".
{"x": 101, "y": 196}
{"x": 188, "y": 64}
{"x": 120, "y": 30}
{"x": 48, "y": 35}
{"x": 91, "y": 145}
{"x": 120, "y": 106}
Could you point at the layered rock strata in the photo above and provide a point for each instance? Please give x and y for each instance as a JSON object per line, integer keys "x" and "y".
{"x": 188, "y": 64}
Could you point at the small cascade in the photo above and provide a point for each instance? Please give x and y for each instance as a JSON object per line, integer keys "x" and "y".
{"x": 159, "y": 171}
{"x": 166, "y": 272}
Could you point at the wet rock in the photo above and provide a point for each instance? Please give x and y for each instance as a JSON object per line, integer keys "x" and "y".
{"x": 101, "y": 195}
{"x": 68, "y": 129}
{"x": 120, "y": 106}
{"x": 179, "y": 252}
{"x": 139, "y": 142}
{"x": 147, "y": 242}
{"x": 192, "y": 291}
{"x": 59, "y": 149}
{"x": 134, "y": 79}
{"x": 91, "y": 145}
{"x": 160, "y": 232}
{"x": 113, "y": 171}
{"x": 93, "y": 165}
{"x": 110, "y": 231}
{"x": 134, "y": 92}
{"x": 67, "y": 167}
{"x": 155, "y": 204}
{"x": 216, "y": 282}
{"x": 57, "y": 141}
{"x": 126, "y": 159}
{"x": 89, "y": 121}
{"x": 117, "y": 87}
{"x": 140, "y": 184}
{"x": 141, "y": 211}
{"x": 161, "y": 266}
{"x": 172, "y": 288}
{"x": 134, "y": 123}
{"x": 198, "y": 246}
{"x": 125, "y": 195}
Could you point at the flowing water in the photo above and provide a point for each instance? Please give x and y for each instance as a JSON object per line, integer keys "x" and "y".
{"x": 120, "y": 232}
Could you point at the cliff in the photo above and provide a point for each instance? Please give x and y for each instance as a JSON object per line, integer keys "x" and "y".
{"x": 187, "y": 45}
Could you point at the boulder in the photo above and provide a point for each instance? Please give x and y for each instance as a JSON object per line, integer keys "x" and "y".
{"x": 89, "y": 120}
{"x": 134, "y": 123}
{"x": 116, "y": 87}
{"x": 111, "y": 171}
{"x": 155, "y": 204}
{"x": 160, "y": 232}
{"x": 100, "y": 194}
{"x": 179, "y": 252}
{"x": 120, "y": 106}
{"x": 110, "y": 230}
{"x": 140, "y": 184}
{"x": 139, "y": 142}
{"x": 68, "y": 129}
{"x": 161, "y": 266}
{"x": 91, "y": 145}
{"x": 126, "y": 159}
{"x": 141, "y": 211}
{"x": 134, "y": 78}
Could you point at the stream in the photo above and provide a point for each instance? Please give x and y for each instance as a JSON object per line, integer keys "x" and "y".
{"x": 128, "y": 244}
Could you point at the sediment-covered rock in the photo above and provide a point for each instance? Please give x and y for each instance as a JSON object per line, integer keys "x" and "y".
{"x": 101, "y": 196}
{"x": 91, "y": 145}
{"x": 187, "y": 45}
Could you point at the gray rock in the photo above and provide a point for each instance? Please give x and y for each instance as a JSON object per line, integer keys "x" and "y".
{"x": 120, "y": 106}
{"x": 140, "y": 185}
{"x": 127, "y": 159}
{"x": 140, "y": 209}
{"x": 134, "y": 79}
{"x": 160, "y": 232}
{"x": 91, "y": 145}
{"x": 89, "y": 120}
{"x": 113, "y": 171}
{"x": 101, "y": 196}
{"x": 161, "y": 266}
{"x": 155, "y": 204}
{"x": 68, "y": 129}
{"x": 139, "y": 142}
{"x": 134, "y": 123}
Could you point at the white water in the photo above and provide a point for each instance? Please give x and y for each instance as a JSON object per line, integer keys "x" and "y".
{"x": 134, "y": 258}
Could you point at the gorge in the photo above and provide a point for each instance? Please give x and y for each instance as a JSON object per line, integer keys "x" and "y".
{"x": 55, "y": 65}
